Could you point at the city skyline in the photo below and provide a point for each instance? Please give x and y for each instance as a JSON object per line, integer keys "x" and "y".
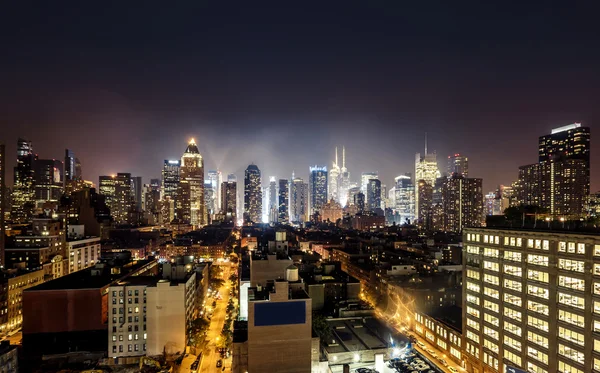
{"x": 374, "y": 87}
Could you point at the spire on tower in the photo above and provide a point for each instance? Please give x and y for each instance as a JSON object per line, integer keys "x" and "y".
{"x": 425, "y": 143}
{"x": 336, "y": 157}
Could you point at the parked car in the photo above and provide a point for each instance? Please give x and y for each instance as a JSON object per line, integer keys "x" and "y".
{"x": 219, "y": 363}
{"x": 421, "y": 344}
{"x": 453, "y": 369}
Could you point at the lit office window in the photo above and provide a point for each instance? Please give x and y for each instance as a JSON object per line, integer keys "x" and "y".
{"x": 473, "y": 274}
{"x": 494, "y": 280}
{"x": 490, "y": 345}
{"x": 571, "y": 300}
{"x": 537, "y": 339}
{"x": 512, "y": 343}
{"x": 516, "y": 330}
{"x": 538, "y": 307}
{"x": 472, "y": 250}
{"x": 491, "y": 266}
{"x": 537, "y": 275}
{"x": 540, "y": 260}
{"x": 513, "y": 256}
{"x": 491, "y": 292}
{"x": 571, "y": 265}
{"x": 566, "y": 368}
{"x": 491, "y": 306}
{"x": 571, "y": 353}
{"x": 513, "y": 285}
{"x": 490, "y": 332}
{"x": 491, "y": 319}
{"x": 571, "y": 335}
{"x": 571, "y": 318}
{"x": 538, "y": 355}
{"x": 492, "y": 253}
{"x": 473, "y": 312}
{"x": 572, "y": 283}
{"x": 490, "y": 360}
{"x": 513, "y": 270}
{"x": 596, "y": 250}
{"x": 513, "y": 299}
{"x": 538, "y": 291}
{"x": 508, "y": 355}
{"x": 472, "y": 336}
{"x": 537, "y": 323}
{"x": 531, "y": 367}
{"x": 456, "y": 353}
{"x": 472, "y": 299}
{"x": 512, "y": 314}
{"x": 473, "y": 287}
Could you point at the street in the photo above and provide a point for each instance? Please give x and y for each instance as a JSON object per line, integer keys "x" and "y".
{"x": 15, "y": 338}
{"x": 210, "y": 356}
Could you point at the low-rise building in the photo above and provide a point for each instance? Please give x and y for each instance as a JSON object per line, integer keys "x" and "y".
{"x": 16, "y": 282}
{"x": 83, "y": 253}
{"x": 443, "y": 329}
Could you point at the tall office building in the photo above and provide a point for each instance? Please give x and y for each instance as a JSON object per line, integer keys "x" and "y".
{"x": 190, "y": 197}
{"x": 373, "y": 195}
{"x": 344, "y": 181}
{"x": 463, "y": 203}
{"x": 106, "y": 187}
{"x": 69, "y": 166}
{"x": 170, "y": 179}
{"x": 124, "y": 203}
{"x": 298, "y": 200}
{"x": 333, "y": 182}
{"x": 136, "y": 192}
{"x": 359, "y": 202}
{"x": 283, "y": 201}
{"x": 426, "y": 169}
{"x": 364, "y": 180}
{"x": 23, "y": 196}
{"x": 560, "y": 181}
{"x": 47, "y": 181}
{"x": 405, "y": 198}
{"x": 424, "y": 204}
{"x": 352, "y": 192}
{"x": 229, "y": 199}
{"x": 2, "y": 202}
{"x": 458, "y": 165}
{"x": 252, "y": 195}
{"x": 318, "y": 187}
{"x": 273, "y": 201}
{"x": 531, "y": 301}
{"x": 214, "y": 179}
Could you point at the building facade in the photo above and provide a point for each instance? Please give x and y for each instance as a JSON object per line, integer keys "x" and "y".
{"x": 252, "y": 195}
{"x": 283, "y": 200}
{"x": 190, "y": 197}
{"x": 298, "y": 200}
{"x": 458, "y": 165}
{"x": 170, "y": 178}
{"x": 532, "y": 300}
{"x": 318, "y": 188}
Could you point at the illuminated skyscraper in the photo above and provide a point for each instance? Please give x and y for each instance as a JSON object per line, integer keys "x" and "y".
{"x": 229, "y": 199}
{"x": 318, "y": 187}
{"x": 136, "y": 192}
{"x": 190, "y": 199}
{"x": 273, "y": 201}
{"x": 405, "y": 198}
{"x": 117, "y": 192}
{"x": 458, "y": 165}
{"x": 364, "y": 180}
{"x": 373, "y": 195}
{"x": 284, "y": 201}
{"x": 333, "y": 182}
{"x": 423, "y": 201}
{"x": 215, "y": 178}
{"x": 426, "y": 169}
{"x": 47, "y": 180}
{"x": 344, "y": 181}
{"x": 252, "y": 195}
{"x": 170, "y": 178}
{"x": 69, "y": 166}
{"x": 298, "y": 200}
{"x": 23, "y": 200}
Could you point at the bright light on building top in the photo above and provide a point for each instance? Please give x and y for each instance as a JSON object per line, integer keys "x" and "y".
{"x": 318, "y": 168}
{"x": 566, "y": 128}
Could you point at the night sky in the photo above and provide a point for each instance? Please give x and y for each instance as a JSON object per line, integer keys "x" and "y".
{"x": 125, "y": 87}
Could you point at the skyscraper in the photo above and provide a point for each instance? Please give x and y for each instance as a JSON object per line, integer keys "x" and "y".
{"x": 458, "y": 165}
{"x": 190, "y": 199}
{"x": 283, "y": 200}
{"x": 560, "y": 181}
{"x": 359, "y": 202}
{"x": 333, "y": 182}
{"x": 364, "y": 180}
{"x": 373, "y": 195}
{"x": 426, "y": 169}
{"x": 273, "y": 206}
{"x": 117, "y": 192}
{"x": 229, "y": 199}
{"x": 423, "y": 204}
{"x": 170, "y": 178}
{"x": 136, "y": 192}
{"x": 405, "y": 198}
{"x": 298, "y": 200}
{"x": 23, "y": 201}
{"x": 69, "y": 166}
{"x": 463, "y": 203}
{"x": 252, "y": 195}
{"x": 215, "y": 178}
{"x": 318, "y": 187}
{"x": 47, "y": 180}
{"x": 344, "y": 181}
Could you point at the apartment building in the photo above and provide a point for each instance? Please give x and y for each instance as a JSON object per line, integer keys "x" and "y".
{"x": 83, "y": 253}
{"x": 532, "y": 301}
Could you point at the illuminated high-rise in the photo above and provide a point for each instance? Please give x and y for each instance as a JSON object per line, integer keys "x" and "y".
{"x": 190, "y": 197}
{"x": 118, "y": 195}
{"x": 458, "y": 165}
{"x": 283, "y": 201}
{"x": 252, "y": 195}
{"x": 23, "y": 196}
{"x": 229, "y": 199}
{"x": 273, "y": 201}
{"x": 47, "y": 180}
{"x": 364, "y": 180}
{"x": 214, "y": 178}
{"x": 344, "y": 181}
{"x": 333, "y": 182}
{"x": 318, "y": 187}
{"x": 426, "y": 170}
{"x": 404, "y": 194}
{"x": 170, "y": 178}
{"x": 298, "y": 200}
{"x": 373, "y": 195}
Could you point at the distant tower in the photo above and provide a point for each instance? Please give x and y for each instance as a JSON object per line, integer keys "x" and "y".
{"x": 458, "y": 165}
{"x": 318, "y": 188}
{"x": 24, "y": 185}
{"x": 170, "y": 179}
{"x": 298, "y": 200}
{"x": 190, "y": 196}
{"x": 426, "y": 170}
{"x": 283, "y": 213}
{"x": 252, "y": 195}
{"x": 334, "y": 179}
{"x": 344, "y": 183}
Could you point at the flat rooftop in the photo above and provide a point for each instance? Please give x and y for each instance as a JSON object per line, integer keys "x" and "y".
{"x": 352, "y": 334}
{"x": 85, "y": 280}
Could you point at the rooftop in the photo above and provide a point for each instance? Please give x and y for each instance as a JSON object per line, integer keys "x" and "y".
{"x": 542, "y": 228}
{"x": 92, "y": 278}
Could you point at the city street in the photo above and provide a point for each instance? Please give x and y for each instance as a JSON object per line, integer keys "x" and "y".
{"x": 210, "y": 354}
{"x": 15, "y": 338}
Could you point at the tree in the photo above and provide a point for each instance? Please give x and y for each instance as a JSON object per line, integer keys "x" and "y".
{"x": 322, "y": 327}
{"x": 196, "y": 330}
